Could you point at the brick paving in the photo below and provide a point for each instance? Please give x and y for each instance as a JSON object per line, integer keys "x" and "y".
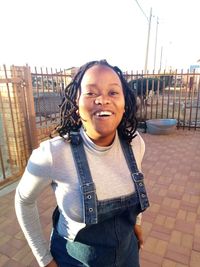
{"x": 171, "y": 226}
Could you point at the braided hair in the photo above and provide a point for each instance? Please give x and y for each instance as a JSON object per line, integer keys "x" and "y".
{"x": 69, "y": 118}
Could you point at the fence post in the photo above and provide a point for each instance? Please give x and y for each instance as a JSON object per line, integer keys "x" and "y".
{"x": 33, "y": 137}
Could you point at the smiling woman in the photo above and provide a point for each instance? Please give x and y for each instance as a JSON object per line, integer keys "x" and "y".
{"x": 101, "y": 85}
{"x": 94, "y": 168}
{"x": 101, "y": 104}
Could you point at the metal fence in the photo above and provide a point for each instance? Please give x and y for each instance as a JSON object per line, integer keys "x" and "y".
{"x": 47, "y": 89}
{"x": 29, "y": 107}
{"x": 15, "y": 144}
{"x": 168, "y": 95}
{"x": 28, "y": 113}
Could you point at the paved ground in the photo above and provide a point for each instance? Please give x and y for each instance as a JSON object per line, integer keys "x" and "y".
{"x": 171, "y": 225}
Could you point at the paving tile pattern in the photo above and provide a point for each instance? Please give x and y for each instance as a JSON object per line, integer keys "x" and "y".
{"x": 171, "y": 225}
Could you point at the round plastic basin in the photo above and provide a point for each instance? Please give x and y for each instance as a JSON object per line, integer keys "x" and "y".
{"x": 161, "y": 126}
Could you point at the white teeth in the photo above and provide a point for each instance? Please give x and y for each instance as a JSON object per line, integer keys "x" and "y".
{"x": 104, "y": 113}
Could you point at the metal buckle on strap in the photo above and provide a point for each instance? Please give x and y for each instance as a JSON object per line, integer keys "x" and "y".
{"x": 137, "y": 174}
{"x": 88, "y": 188}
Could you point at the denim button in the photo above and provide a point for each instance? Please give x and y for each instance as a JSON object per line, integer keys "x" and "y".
{"x": 143, "y": 195}
{"x": 90, "y": 209}
{"x": 89, "y": 197}
{"x": 140, "y": 184}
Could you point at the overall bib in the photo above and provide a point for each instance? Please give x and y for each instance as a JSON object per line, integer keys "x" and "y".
{"x": 108, "y": 240}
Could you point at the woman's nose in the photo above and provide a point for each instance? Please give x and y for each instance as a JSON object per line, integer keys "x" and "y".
{"x": 102, "y": 100}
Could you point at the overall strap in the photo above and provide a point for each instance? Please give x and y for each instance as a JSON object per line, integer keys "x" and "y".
{"x": 87, "y": 185}
{"x": 137, "y": 176}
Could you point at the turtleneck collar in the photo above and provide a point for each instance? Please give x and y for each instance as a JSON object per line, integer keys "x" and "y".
{"x": 92, "y": 146}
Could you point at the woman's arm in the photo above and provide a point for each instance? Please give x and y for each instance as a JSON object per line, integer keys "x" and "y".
{"x": 34, "y": 180}
{"x": 139, "y": 158}
{"x": 139, "y": 235}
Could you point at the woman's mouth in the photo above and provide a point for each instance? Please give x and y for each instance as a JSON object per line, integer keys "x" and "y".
{"x": 103, "y": 113}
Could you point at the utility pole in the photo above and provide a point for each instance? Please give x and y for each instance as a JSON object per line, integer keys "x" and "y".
{"x": 155, "y": 50}
{"x": 148, "y": 35}
{"x": 148, "y": 38}
{"x": 161, "y": 52}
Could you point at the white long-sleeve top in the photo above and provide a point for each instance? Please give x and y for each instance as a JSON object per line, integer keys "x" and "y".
{"x": 52, "y": 163}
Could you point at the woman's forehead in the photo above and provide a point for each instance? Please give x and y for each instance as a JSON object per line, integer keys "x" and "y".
{"x": 100, "y": 71}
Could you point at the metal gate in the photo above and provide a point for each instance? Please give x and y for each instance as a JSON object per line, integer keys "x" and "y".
{"x": 17, "y": 122}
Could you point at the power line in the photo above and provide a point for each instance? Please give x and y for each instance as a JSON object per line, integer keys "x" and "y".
{"x": 142, "y": 10}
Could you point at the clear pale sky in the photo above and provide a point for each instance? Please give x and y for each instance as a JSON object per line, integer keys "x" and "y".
{"x": 66, "y": 33}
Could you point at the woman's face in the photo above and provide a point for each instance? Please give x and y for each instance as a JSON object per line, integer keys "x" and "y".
{"x": 101, "y": 104}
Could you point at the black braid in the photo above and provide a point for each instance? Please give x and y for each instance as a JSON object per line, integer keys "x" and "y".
{"x": 69, "y": 118}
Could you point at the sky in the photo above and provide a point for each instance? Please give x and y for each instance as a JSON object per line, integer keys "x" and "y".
{"x": 69, "y": 33}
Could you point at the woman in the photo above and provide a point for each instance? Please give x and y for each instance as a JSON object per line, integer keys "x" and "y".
{"x": 94, "y": 169}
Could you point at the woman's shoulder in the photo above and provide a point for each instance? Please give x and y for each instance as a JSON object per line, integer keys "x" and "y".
{"x": 54, "y": 143}
{"x": 137, "y": 139}
{"x": 49, "y": 148}
{"x": 138, "y": 145}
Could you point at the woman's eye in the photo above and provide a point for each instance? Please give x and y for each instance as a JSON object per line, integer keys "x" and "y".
{"x": 90, "y": 94}
{"x": 114, "y": 93}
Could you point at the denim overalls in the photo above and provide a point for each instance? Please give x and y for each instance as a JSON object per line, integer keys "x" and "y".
{"x": 108, "y": 240}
